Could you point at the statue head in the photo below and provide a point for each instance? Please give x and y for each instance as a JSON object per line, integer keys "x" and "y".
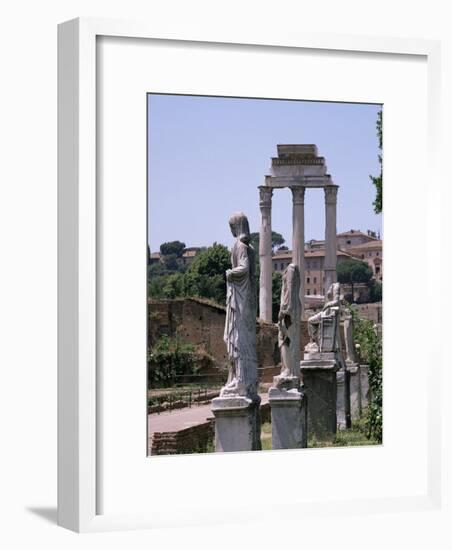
{"x": 240, "y": 227}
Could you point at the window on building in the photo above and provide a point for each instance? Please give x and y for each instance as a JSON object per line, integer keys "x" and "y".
{"x": 315, "y": 291}
{"x": 308, "y": 279}
{"x": 315, "y": 280}
{"x": 282, "y": 267}
{"x": 362, "y": 256}
{"x": 378, "y": 253}
{"x": 308, "y": 292}
{"x": 349, "y": 242}
{"x": 377, "y": 269}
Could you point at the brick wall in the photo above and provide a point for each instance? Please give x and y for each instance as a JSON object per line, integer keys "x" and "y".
{"x": 195, "y": 439}
{"x": 202, "y": 324}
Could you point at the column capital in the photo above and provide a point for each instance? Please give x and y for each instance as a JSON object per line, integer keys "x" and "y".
{"x": 298, "y": 194}
{"x": 331, "y": 194}
{"x": 265, "y": 196}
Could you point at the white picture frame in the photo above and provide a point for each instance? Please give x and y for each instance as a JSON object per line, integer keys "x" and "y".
{"x": 79, "y": 408}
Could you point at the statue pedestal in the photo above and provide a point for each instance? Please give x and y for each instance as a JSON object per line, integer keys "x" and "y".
{"x": 344, "y": 395}
{"x": 289, "y": 418}
{"x": 237, "y": 423}
{"x": 320, "y": 386}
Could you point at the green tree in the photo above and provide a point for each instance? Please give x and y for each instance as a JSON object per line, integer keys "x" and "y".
{"x": 172, "y": 262}
{"x": 378, "y": 180}
{"x": 277, "y": 241}
{"x": 206, "y": 275}
{"x": 276, "y": 294}
{"x": 376, "y": 292}
{"x": 173, "y": 286}
{"x": 173, "y": 247}
{"x": 354, "y": 271}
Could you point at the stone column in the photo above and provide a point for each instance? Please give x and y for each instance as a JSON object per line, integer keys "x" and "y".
{"x": 330, "y": 236}
{"x": 298, "y": 237}
{"x": 265, "y": 253}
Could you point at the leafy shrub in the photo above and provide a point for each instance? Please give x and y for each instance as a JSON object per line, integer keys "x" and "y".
{"x": 170, "y": 358}
{"x": 371, "y": 352}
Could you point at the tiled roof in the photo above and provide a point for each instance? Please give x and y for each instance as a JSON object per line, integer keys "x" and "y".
{"x": 354, "y": 233}
{"x": 374, "y": 245}
{"x": 287, "y": 254}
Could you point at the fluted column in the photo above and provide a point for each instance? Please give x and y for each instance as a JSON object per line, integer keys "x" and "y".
{"x": 298, "y": 236}
{"x": 265, "y": 253}
{"x": 330, "y": 236}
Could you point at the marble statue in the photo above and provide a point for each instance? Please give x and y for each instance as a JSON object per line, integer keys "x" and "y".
{"x": 349, "y": 336}
{"x": 289, "y": 329}
{"x": 323, "y": 327}
{"x": 240, "y": 325}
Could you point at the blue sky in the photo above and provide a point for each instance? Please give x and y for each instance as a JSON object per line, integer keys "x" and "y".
{"x": 208, "y": 155}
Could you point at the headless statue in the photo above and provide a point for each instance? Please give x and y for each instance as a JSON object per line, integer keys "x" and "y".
{"x": 330, "y": 311}
{"x": 289, "y": 329}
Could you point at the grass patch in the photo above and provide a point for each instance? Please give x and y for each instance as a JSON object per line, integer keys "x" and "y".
{"x": 355, "y": 437}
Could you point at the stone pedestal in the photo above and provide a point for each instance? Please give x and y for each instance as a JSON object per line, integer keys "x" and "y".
{"x": 319, "y": 378}
{"x": 364, "y": 385}
{"x": 289, "y": 418}
{"x": 237, "y": 423}
{"x": 343, "y": 400}
{"x": 356, "y": 406}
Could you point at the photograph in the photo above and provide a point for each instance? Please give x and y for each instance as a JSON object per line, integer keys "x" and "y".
{"x": 264, "y": 274}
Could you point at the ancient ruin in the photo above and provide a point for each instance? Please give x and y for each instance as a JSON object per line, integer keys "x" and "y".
{"x": 287, "y": 400}
{"x": 297, "y": 167}
{"x": 236, "y": 410}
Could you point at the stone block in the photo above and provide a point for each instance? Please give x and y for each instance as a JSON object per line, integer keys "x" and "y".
{"x": 320, "y": 387}
{"x": 355, "y": 391}
{"x": 365, "y": 388}
{"x": 237, "y": 424}
{"x": 343, "y": 400}
{"x": 289, "y": 418}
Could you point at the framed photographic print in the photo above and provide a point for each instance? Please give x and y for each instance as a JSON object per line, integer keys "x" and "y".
{"x": 221, "y": 272}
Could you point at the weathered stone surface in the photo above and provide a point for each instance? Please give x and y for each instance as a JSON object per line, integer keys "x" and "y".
{"x": 297, "y": 167}
{"x": 237, "y": 423}
{"x": 355, "y": 391}
{"x": 298, "y": 239}
{"x": 320, "y": 387}
{"x": 365, "y": 388}
{"x": 330, "y": 235}
{"x": 289, "y": 418}
{"x": 265, "y": 254}
{"x": 240, "y": 323}
{"x": 342, "y": 378}
{"x": 324, "y": 326}
{"x": 289, "y": 323}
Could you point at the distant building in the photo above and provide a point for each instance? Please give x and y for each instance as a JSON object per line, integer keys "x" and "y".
{"x": 352, "y": 244}
{"x": 154, "y": 258}
{"x": 372, "y": 253}
{"x": 355, "y": 237}
{"x": 314, "y": 272}
{"x": 187, "y": 256}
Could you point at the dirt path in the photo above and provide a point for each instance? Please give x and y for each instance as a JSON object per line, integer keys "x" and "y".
{"x": 183, "y": 418}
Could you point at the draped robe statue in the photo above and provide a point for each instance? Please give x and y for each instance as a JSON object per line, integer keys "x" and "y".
{"x": 330, "y": 311}
{"x": 240, "y": 325}
{"x": 289, "y": 328}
